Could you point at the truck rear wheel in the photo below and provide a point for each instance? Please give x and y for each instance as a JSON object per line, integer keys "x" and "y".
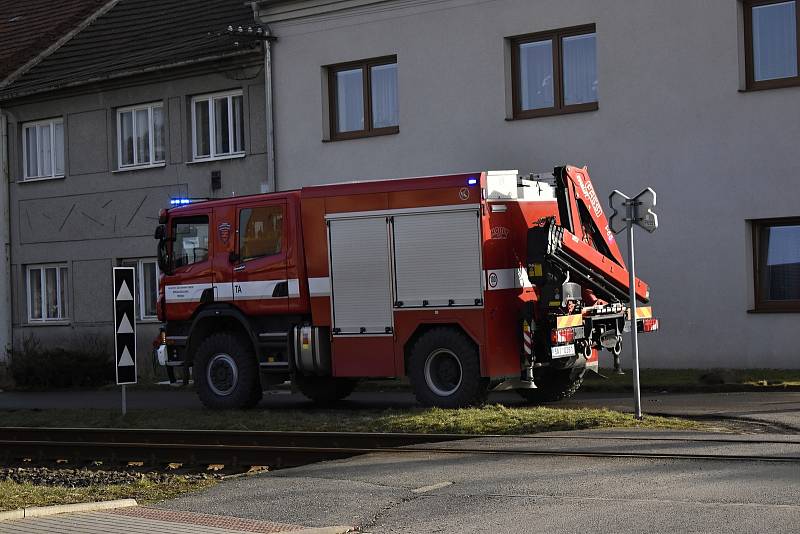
{"x": 444, "y": 369}
{"x": 554, "y": 385}
{"x": 226, "y": 372}
{"x": 324, "y": 389}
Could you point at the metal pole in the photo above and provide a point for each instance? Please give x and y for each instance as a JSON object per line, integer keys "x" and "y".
{"x": 271, "y": 184}
{"x": 637, "y": 400}
{"x": 124, "y": 402}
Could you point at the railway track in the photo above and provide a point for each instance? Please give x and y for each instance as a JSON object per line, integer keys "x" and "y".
{"x": 290, "y": 449}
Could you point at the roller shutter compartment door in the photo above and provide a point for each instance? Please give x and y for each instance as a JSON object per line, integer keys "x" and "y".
{"x": 438, "y": 259}
{"x": 360, "y": 281}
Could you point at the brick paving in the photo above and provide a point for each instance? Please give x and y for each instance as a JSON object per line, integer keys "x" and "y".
{"x": 141, "y": 520}
{"x": 217, "y": 521}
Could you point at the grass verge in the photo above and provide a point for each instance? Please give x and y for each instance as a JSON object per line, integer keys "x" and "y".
{"x": 14, "y": 495}
{"x": 492, "y": 419}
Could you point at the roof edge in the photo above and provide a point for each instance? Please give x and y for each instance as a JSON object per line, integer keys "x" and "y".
{"x": 178, "y": 64}
{"x": 11, "y": 78}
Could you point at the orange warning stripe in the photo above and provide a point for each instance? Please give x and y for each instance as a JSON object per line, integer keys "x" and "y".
{"x": 644, "y": 313}
{"x": 567, "y": 321}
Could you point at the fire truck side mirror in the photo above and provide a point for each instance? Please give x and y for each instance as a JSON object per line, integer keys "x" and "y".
{"x": 160, "y": 232}
{"x": 233, "y": 257}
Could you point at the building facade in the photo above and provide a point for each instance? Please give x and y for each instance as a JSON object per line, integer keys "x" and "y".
{"x": 104, "y": 133}
{"x": 699, "y": 100}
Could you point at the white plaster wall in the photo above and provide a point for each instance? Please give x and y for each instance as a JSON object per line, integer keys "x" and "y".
{"x": 671, "y": 116}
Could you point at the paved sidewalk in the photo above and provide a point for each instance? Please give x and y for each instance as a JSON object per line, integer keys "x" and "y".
{"x": 778, "y": 407}
{"x": 142, "y": 520}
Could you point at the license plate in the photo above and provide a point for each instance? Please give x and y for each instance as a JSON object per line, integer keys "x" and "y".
{"x": 564, "y": 351}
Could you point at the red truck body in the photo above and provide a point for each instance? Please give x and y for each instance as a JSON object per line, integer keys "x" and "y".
{"x": 330, "y": 283}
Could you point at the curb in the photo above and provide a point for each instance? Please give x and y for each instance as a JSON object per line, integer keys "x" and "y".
{"x": 40, "y": 511}
{"x": 323, "y": 530}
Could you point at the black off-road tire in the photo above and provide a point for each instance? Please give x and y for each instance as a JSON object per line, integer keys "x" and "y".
{"x": 325, "y": 390}
{"x": 554, "y": 385}
{"x": 435, "y": 384}
{"x": 245, "y": 391}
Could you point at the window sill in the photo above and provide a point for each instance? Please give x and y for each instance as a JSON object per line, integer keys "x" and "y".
{"x": 771, "y": 84}
{"x": 788, "y": 309}
{"x": 394, "y": 130}
{"x": 535, "y": 114}
{"x": 59, "y": 322}
{"x": 140, "y": 167}
{"x": 148, "y": 320}
{"x": 216, "y": 158}
{"x": 41, "y": 179}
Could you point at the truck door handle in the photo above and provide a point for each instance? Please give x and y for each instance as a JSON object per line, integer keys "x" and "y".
{"x": 239, "y": 268}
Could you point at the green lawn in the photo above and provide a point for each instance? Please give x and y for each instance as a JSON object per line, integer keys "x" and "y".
{"x": 492, "y": 419}
{"x": 14, "y": 495}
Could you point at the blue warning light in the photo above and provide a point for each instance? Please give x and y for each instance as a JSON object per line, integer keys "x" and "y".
{"x": 472, "y": 181}
{"x": 180, "y": 201}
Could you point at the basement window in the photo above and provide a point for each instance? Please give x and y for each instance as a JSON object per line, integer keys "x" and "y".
{"x": 48, "y": 288}
{"x": 218, "y": 126}
{"x": 147, "y": 275}
{"x": 776, "y": 253}
{"x": 43, "y": 149}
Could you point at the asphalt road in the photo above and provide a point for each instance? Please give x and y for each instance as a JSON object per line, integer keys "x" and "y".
{"x": 781, "y": 409}
{"x": 457, "y": 493}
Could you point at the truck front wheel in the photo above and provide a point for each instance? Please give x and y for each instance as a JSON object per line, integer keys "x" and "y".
{"x": 554, "y": 385}
{"x": 444, "y": 369}
{"x": 226, "y": 372}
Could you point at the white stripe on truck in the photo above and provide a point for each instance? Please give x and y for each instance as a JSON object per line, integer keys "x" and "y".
{"x": 260, "y": 289}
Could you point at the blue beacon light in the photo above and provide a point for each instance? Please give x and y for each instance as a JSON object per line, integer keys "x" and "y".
{"x": 180, "y": 201}
{"x": 472, "y": 181}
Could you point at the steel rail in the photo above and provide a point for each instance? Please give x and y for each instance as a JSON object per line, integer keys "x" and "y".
{"x": 334, "y": 439}
{"x": 279, "y": 449}
{"x": 282, "y": 457}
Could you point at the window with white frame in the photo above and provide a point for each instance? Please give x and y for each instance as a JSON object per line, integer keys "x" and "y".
{"x": 43, "y": 149}
{"x": 48, "y": 288}
{"x": 217, "y": 125}
{"x": 147, "y": 275}
{"x": 140, "y": 135}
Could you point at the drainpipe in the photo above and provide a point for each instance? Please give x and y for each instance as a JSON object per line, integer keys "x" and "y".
{"x": 5, "y": 244}
{"x": 271, "y": 184}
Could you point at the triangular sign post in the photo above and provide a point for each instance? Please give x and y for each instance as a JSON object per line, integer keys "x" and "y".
{"x": 124, "y": 287}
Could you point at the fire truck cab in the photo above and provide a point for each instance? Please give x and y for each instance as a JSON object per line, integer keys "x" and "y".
{"x": 461, "y": 283}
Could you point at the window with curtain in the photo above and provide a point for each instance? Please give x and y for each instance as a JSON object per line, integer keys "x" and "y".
{"x": 147, "y": 275}
{"x": 218, "y": 125}
{"x": 771, "y": 43}
{"x": 776, "y": 252}
{"x": 48, "y": 288}
{"x": 43, "y": 149}
{"x": 363, "y": 98}
{"x": 140, "y": 136}
{"x": 554, "y": 72}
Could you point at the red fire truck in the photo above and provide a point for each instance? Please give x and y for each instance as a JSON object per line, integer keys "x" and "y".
{"x": 462, "y": 283}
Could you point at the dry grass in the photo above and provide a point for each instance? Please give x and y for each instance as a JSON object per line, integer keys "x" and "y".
{"x": 15, "y": 495}
{"x": 492, "y": 419}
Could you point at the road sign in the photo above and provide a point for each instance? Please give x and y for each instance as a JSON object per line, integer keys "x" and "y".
{"x": 627, "y": 212}
{"x": 638, "y": 209}
{"x": 125, "y": 324}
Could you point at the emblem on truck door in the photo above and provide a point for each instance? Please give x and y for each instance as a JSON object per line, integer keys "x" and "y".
{"x": 224, "y": 230}
{"x": 463, "y": 194}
